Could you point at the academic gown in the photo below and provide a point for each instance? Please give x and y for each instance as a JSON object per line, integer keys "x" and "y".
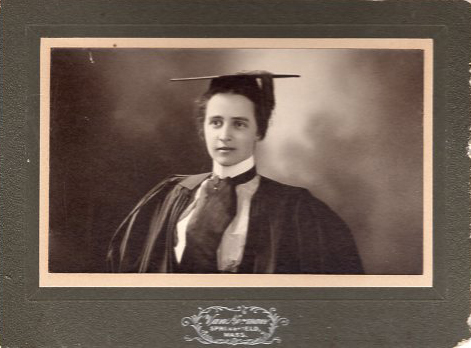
{"x": 289, "y": 231}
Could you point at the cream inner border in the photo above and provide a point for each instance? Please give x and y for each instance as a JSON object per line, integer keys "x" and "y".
{"x": 47, "y": 279}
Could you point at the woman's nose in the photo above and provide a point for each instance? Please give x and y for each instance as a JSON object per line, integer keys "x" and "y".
{"x": 225, "y": 133}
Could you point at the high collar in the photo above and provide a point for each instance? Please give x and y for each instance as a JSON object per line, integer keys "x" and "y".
{"x": 236, "y": 169}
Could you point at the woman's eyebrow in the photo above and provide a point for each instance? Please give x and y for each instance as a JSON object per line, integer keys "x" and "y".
{"x": 240, "y": 118}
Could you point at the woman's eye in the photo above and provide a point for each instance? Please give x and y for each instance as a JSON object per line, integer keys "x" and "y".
{"x": 216, "y": 123}
{"x": 239, "y": 124}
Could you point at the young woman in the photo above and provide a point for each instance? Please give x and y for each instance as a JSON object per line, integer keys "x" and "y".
{"x": 233, "y": 219}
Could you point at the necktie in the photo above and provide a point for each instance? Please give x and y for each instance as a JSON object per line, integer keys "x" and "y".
{"x": 214, "y": 211}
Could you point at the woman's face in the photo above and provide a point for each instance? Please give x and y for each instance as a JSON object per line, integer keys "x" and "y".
{"x": 230, "y": 129}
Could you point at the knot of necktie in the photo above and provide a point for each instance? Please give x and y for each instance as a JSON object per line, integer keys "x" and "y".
{"x": 217, "y": 184}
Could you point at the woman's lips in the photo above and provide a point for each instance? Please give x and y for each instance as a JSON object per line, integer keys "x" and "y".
{"x": 225, "y": 149}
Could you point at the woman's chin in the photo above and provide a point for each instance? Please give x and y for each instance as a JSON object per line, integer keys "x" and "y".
{"x": 225, "y": 161}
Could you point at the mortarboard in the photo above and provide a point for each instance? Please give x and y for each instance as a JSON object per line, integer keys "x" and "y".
{"x": 247, "y": 74}
{"x": 260, "y": 80}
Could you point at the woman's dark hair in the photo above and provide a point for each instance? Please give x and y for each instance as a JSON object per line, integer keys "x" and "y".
{"x": 247, "y": 87}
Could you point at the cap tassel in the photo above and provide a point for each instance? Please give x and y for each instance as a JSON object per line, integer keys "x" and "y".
{"x": 268, "y": 94}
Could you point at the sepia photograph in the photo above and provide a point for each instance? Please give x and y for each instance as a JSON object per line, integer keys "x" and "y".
{"x": 233, "y": 173}
{"x": 237, "y": 157}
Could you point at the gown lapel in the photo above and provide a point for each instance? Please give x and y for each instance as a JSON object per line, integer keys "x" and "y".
{"x": 184, "y": 194}
{"x": 260, "y": 247}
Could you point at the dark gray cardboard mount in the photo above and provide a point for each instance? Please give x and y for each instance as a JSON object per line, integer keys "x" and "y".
{"x": 150, "y": 317}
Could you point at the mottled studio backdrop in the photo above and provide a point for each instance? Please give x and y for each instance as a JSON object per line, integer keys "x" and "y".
{"x": 349, "y": 130}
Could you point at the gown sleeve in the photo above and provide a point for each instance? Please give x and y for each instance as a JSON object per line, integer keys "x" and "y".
{"x": 128, "y": 241}
{"x": 325, "y": 241}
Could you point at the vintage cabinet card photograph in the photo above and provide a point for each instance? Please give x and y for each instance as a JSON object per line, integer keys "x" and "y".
{"x": 235, "y": 173}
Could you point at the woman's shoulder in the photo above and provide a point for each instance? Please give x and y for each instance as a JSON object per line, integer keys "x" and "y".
{"x": 270, "y": 186}
{"x": 186, "y": 180}
{"x": 281, "y": 192}
{"x": 172, "y": 186}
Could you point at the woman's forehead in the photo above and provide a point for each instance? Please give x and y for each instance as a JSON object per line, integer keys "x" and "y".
{"x": 229, "y": 104}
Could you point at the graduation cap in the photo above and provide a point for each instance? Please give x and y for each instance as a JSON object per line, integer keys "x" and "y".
{"x": 242, "y": 74}
{"x": 258, "y": 82}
